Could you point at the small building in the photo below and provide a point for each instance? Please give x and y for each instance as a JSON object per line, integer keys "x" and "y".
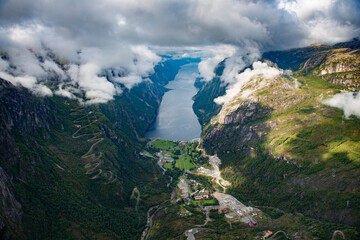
{"x": 224, "y": 210}
{"x": 196, "y": 192}
{"x": 182, "y": 144}
{"x": 267, "y": 233}
{"x": 198, "y": 197}
{"x": 253, "y": 221}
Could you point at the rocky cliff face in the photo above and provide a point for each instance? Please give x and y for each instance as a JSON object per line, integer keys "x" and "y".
{"x": 281, "y": 146}
{"x": 18, "y": 114}
{"x": 345, "y": 79}
{"x": 246, "y": 115}
{"x": 340, "y": 60}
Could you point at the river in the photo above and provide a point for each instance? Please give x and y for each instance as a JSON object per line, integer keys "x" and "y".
{"x": 176, "y": 119}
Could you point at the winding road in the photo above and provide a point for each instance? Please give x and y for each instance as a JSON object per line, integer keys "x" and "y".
{"x": 149, "y": 222}
{"x": 92, "y": 158}
{"x": 136, "y": 190}
{"x": 338, "y": 232}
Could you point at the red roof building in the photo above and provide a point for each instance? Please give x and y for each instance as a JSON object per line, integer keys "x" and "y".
{"x": 253, "y": 222}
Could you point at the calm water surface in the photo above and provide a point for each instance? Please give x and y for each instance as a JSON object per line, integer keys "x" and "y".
{"x": 176, "y": 119}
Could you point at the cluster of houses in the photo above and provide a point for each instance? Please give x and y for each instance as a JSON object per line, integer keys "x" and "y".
{"x": 200, "y": 194}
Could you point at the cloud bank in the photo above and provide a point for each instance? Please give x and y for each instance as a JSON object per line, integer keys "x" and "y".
{"x": 29, "y": 60}
{"x": 94, "y": 36}
{"x": 238, "y": 80}
{"x": 349, "y": 102}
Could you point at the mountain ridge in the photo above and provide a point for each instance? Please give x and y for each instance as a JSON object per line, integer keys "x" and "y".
{"x": 281, "y": 146}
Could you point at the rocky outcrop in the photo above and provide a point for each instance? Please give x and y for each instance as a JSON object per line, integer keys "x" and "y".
{"x": 344, "y": 79}
{"x": 244, "y": 118}
{"x": 340, "y": 60}
{"x": 238, "y": 127}
{"x": 338, "y": 67}
{"x": 19, "y": 111}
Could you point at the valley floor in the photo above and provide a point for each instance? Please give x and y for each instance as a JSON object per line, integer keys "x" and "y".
{"x": 201, "y": 208}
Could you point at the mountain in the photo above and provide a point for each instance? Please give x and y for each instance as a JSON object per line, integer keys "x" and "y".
{"x": 293, "y": 58}
{"x": 68, "y": 170}
{"x": 204, "y": 105}
{"x": 282, "y": 146}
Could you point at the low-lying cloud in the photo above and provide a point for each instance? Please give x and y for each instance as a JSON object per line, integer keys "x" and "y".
{"x": 125, "y": 35}
{"x": 28, "y": 61}
{"x": 349, "y": 102}
{"x": 207, "y": 66}
{"x": 238, "y": 80}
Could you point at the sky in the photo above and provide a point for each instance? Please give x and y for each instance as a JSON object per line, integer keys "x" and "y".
{"x": 129, "y": 35}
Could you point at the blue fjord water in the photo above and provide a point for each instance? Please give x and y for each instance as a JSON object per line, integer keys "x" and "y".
{"x": 176, "y": 119}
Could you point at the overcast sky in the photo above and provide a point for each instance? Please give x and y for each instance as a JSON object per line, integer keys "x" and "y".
{"x": 126, "y": 34}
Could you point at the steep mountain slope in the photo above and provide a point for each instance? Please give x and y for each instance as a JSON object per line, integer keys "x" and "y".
{"x": 204, "y": 105}
{"x": 282, "y": 147}
{"x": 338, "y": 64}
{"x": 68, "y": 170}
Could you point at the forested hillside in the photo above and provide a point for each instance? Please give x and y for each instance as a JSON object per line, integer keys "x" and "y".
{"x": 68, "y": 169}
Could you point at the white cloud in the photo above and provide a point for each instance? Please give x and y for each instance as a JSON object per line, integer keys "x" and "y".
{"x": 25, "y": 47}
{"x": 129, "y": 81}
{"x": 237, "y": 81}
{"x": 62, "y": 91}
{"x": 28, "y": 82}
{"x": 123, "y": 35}
{"x": 144, "y": 60}
{"x": 242, "y": 58}
{"x": 349, "y": 102}
{"x": 207, "y": 65}
{"x": 4, "y": 65}
{"x": 328, "y": 21}
{"x": 97, "y": 89}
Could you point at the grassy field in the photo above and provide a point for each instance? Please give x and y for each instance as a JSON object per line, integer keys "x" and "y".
{"x": 168, "y": 165}
{"x": 205, "y": 202}
{"x": 188, "y": 163}
{"x": 313, "y": 131}
{"x": 164, "y": 144}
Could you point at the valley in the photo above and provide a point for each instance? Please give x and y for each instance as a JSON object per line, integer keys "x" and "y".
{"x": 197, "y": 217}
{"x": 275, "y": 143}
{"x": 271, "y": 154}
